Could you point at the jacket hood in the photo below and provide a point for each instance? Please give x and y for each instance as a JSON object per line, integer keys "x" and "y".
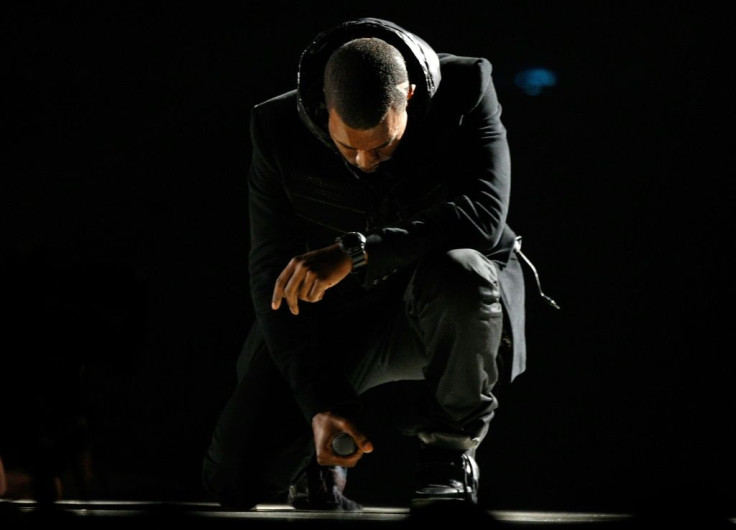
{"x": 421, "y": 60}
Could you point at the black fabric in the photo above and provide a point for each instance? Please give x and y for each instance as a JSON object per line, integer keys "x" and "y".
{"x": 447, "y": 187}
{"x": 256, "y": 450}
{"x": 442, "y": 327}
{"x": 441, "y": 289}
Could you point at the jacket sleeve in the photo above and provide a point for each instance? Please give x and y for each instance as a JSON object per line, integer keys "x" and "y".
{"x": 276, "y": 237}
{"x": 474, "y": 216}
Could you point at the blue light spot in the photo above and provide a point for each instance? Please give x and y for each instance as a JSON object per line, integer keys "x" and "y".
{"x": 532, "y": 81}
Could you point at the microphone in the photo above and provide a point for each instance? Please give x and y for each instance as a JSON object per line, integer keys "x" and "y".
{"x": 343, "y": 444}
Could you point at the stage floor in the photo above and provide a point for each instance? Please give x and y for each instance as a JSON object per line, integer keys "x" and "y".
{"x": 127, "y": 514}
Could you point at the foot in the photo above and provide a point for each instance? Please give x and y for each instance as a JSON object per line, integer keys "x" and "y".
{"x": 321, "y": 488}
{"x": 445, "y": 475}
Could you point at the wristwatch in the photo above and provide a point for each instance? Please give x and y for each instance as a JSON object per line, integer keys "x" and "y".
{"x": 353, "y": 244}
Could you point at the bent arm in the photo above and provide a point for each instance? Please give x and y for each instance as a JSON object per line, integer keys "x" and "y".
{"x": 276, "y": 238}
{"x": 474, "y": 210}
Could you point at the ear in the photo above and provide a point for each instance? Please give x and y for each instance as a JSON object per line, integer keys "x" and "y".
{"x": 410, "y": 93}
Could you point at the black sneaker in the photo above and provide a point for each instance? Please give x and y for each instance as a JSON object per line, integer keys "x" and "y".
{"x": 445, "y": 475}
{"x": 321, "y": 488}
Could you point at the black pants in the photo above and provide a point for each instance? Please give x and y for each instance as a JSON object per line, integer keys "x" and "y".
{"x": 446, "y": 330}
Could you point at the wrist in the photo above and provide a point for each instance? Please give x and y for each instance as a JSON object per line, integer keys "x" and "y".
{"x": 353, "y": 245}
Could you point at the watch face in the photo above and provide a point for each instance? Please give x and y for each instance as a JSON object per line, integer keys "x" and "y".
{"x": 353, "y": 244}
{"x": 353, "y": 240}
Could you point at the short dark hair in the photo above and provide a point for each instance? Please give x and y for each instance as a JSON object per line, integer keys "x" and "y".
{"x": 360, "y": 81}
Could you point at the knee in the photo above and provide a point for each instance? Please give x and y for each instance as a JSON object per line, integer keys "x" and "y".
{"x": 457, "y": 276}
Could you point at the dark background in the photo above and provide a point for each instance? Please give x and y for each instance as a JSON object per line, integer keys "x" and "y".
{"x": 125, "y": 238}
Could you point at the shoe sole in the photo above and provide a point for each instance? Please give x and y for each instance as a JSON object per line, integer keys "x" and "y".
{"x": 418, "y": 503}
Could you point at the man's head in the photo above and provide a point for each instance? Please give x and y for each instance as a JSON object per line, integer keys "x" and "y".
{"x": 367, "y": 89}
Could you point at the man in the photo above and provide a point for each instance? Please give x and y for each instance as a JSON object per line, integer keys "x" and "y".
{"x": 378, "y": 195}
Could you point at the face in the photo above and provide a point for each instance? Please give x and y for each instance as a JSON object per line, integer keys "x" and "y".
{"x": 366, "y": 149}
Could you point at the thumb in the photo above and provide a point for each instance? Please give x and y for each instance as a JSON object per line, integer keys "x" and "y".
{"x": 365, "y": 444}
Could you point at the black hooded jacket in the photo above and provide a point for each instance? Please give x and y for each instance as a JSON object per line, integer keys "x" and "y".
{"x": 447, "y": 186}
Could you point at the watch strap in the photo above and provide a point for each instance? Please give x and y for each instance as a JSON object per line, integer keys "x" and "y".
{"x": 353, "y": 244}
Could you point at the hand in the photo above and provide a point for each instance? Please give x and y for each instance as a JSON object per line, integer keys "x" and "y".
{"x": 325, "y": 426}
{"x": 308, "y": 276}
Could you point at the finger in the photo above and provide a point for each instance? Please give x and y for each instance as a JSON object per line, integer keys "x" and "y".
{"x": 278, "y": 289}
{"x": 317, "y": 291}
{"x": 307, "y": 286}
{"x": 278, "y": 293}
{"x": 291, "y": 291}
{"x": 352, "y": 460}
{"x": 361, "y": 440}
{"x": 364, "y": 444}
{"x": 330, "y": 459}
